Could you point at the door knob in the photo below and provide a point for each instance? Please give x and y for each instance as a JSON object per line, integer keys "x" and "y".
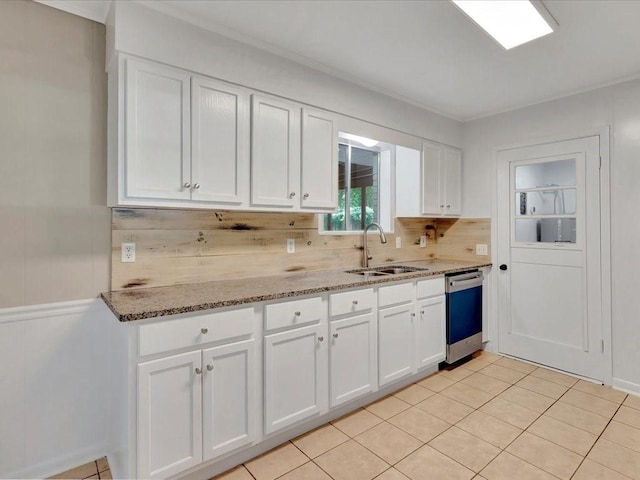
{"x": 503, "y": 267}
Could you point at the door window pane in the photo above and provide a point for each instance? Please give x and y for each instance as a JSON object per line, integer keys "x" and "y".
{"x": 546, "y": 174}
{"x": 547, "y": 230}
{"x": 552, "y": 201}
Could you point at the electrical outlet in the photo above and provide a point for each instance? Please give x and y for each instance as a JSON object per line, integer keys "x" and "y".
{"x": 423, "y": 241}
{"x": 128, "y": 252}
{"x": 291, "y": 245}
{"x": 398, "y": 242}
{"x": 482, "y": 249}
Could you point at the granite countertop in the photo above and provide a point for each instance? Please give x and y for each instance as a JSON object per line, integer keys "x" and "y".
{"x": 146, "y": 303}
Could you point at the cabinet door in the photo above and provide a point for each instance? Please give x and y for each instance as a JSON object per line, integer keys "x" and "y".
{"x": 408, "y": 184}
{"x": 219, "y": 142}
{"x": 169, "y": 415}
{"x": 319, "y": 161}
{"x": 157, "y": 137}
{"x": 432, "y": 201}
{"x": 396, "y": 343}
{"x": 228, "y": 399}
{"x": 295, "y": 376}
{"x": 275, "y": 153}
{"x": 430, "y": 337}
{"x": 351, "y": 358}
{"x": 452, "y": 181}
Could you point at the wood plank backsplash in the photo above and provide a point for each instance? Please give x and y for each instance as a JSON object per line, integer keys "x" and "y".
{"x": 188, "y": 246}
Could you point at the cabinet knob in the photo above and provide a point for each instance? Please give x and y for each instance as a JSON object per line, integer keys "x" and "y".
{"x": 413, "y": 314}
{"x": 297, "y": 314}
{"x": 204, "y": 331}
{"x": 196, "y": 186}
{"x": 187, "y": 184}
{"x": 448, "y": 206}
{"x": 209, "y": 367}
{"x": 321, "y": 339}
{"x": 198, "y": 371}
{"x": 421, "y": 312}
{"x": 441, "y": 206}
{"x": 306, "y": 195}
{"x": 335, "y": 335}
{"x": 292, "y": 194}
{"x": 355, "y": 302}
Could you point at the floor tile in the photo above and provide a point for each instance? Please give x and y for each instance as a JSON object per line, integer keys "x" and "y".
{"x": 616, "y": 457}
{"x": 429, "y": 464}
{"x": 389, "y": 442}
{"x": 413, "y": 394}
{"x": 487, "y": 384}
{"x": 512, "y": 413}
{"x": 308, "y": 471}
{"x": 106, "y": 475}
{"x": 588, "y": 402}
{"x": 623, "y": 435}
{"x": 590, "y": 470}
{"x": 543, "y": 387}
{"x": 472, "y": 397}
{"x": 419, "y": 424}
{"x": 83, "y": 471}
{"x": 476, "y": 364}
{"x": 464, "y": 448}
{"x": 526, "y": 398}
{"x": 391, "y": 474}
{"x": 238, "y": 473}
{"x": 437, "y": 382}
{"x": 445, "y": 408}
{"x": 276, "y": 462}
{"x": 555, "y": 377}
{"x": 320, "y": 440}
{"x": 357, "y": 422}
{"x": 93, "y": 477}
{"x": 103, "y": 464}
{"x": 502, "y": 373}
{"x": 601, "y": 391}
{"x": 456, "y": 374}
{"x": 545, "y": 455}
{"x": 508, "y": 467}
{"x": 578, "y": 417}
{"x": 516, "y": 365}
{"x": 351, "y": 461}
{"x": 562, "y": 434}
{"x": 387, "y": 407}
{"x": 487, "y": 356}
{"x": 628, "y": 416}
{"x": 633, "y": 401}
{"x": 489, "y": 429}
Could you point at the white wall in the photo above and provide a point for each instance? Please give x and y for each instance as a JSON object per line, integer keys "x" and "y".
{"x": 150, "y": 34}
{"x": 617, "y": 106}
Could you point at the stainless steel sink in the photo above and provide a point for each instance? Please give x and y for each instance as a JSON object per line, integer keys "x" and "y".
{"x": 386, "y": 270}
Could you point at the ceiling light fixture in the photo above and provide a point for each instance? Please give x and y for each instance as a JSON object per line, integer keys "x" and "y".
{"x": 510, "y": 22}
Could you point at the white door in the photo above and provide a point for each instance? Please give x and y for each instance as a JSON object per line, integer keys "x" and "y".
{"x": 275, "y": 153}
{"x": 352, "y": 369}
{"x": 157, "y": 144}
{"x": 220, "y": 142}
{"x": 169, "y": 415}
{"x": 319, "y": 161}
{"x": 396, "y": 343}
{"x": 228, "y": 398}
{"x": 295, "y": 376}
{"x": 452, "y": 181}
{"x": 549, "y": 281}
{"x": 430, "y": 337}
{"x": 432, "y": 202}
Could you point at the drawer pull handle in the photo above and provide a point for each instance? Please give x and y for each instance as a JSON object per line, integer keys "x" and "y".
{"x": 335, "y": 335}
{"x": 355, "y": 302}
{"x": 204, "y": 331}
{"x": 297, "y": 314}
{"x": 198, "y": 371}
{"x": 321, "y": 339}
{"x": 209, "y": 367}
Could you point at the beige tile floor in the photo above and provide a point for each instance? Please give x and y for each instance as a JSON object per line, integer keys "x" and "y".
{"x": 492, "y": 418}
{"x": 97, "y": 469}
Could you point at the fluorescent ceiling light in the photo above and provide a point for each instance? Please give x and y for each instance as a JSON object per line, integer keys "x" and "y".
{"x": 367, "y": 142}
{"x": 509, "y": 22}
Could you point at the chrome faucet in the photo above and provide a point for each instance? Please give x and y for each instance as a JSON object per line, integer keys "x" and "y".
{"x": 365, "y": 251}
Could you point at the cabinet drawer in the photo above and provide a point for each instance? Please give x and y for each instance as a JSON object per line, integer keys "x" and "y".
{"x": 351, "y": 302}
{"x": 294, "y": 313}
{"x": 394, "y": 294}
{"x": 195, "y": 330}
{"x": 431, "y": 287}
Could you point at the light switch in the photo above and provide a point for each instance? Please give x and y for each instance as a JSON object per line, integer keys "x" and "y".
{"x": 291, "y": 245}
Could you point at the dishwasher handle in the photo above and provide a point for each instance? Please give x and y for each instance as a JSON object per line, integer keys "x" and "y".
{"x": 463, "y": 282}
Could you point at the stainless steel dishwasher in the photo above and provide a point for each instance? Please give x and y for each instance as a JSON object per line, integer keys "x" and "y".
{"x": 464, "y": 314}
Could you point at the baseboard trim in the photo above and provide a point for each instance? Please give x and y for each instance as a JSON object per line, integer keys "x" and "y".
{"x": 627, "y": 387}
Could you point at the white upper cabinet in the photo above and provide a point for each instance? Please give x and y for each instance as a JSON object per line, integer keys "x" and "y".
{"x": 441, "y": 180}
{"x": 157, "y": 138}
{"x": 452, "y": 181}
{"x": 219, "y": 142}
{"x": 319, "y": 162}
{"x": 431, "y": 193}
{"x": 275, "y": 153}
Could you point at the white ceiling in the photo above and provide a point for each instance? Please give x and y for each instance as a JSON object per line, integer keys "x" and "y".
{"x": 428, "y": 53}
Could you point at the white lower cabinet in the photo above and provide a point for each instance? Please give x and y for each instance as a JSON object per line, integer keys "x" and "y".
{"x": 396, "y": 342}
{"x": 193, "y": 407}
{"x": 295, "y": 376}
{"x": 430, "y": 337}
{"x": 352, "y": 367}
